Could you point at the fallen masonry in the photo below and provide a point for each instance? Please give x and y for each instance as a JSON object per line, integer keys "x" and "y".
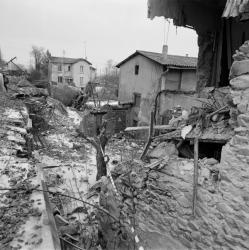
{"x": 50, "y": 199}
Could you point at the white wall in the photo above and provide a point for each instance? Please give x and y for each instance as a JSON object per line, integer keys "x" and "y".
{"x": 146, "y": 82}
{"x": 55, "y": 73}
{"x": 74, "y": 73}
{"x": 189, "y": 80}
{"x": 86, "y": 74}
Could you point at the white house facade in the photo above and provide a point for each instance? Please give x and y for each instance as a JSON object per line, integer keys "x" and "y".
{"x": 73, "y": 71}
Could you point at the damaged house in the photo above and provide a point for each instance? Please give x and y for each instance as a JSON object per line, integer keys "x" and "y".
{"x": 199, "y": 203}
{"x": 187, "y": 188}
{"x": 143, "y": 74}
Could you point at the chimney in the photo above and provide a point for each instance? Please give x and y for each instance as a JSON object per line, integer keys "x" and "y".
{"x": 165, "y": 51}
{"x": 186, "y": 55}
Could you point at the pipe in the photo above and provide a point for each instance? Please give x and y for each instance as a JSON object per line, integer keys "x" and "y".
{"x": 158, "y": 95}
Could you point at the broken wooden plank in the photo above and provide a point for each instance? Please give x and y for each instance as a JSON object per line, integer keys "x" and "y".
{"x": 157, "y": 127}
{"x": 195, "y": 176}
{"x": 205, "y": 137}
{"x": 154, "y": 164}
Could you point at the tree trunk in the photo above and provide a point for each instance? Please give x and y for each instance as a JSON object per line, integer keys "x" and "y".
{"x": 101, "y": 164}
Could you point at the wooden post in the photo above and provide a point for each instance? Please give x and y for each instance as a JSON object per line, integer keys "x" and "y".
{"x": 229, "y": 45}
{"x": 195, "y": 176}
{"x": 219, "y": 54}
{"x": 151, "y": 133}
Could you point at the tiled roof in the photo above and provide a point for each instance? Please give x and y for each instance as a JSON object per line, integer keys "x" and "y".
{"x": 67, "y": 60}
{"x": 171, "y": 60}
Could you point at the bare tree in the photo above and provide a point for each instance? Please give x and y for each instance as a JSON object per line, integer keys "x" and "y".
{"x": 41, "y": 58}
{"x": 2, "y": 62}
{"x": 38, "y": 54}
{"x": 111, "y": 80}
{"x": 1, "y": 57}
{"x": 99, "y": 142}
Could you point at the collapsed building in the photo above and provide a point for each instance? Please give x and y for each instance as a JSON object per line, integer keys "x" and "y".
{"x": 177, "y": 203}
{"x": 172, "y": 202}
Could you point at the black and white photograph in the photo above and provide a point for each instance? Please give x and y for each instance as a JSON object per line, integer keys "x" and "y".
{"x": 124, "y": 124}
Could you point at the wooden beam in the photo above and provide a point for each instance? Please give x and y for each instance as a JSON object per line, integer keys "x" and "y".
{"x": 228, "y": 40}
{"x": 151, "y": 133}
{"x": 219, "y": 54}
{"x": 195, "y": 176}
{"x": 157, "y": 127}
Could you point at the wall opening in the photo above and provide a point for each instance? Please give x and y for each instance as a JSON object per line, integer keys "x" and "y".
{"x": 206, "y": 149}
{"x": 136, "y": 69}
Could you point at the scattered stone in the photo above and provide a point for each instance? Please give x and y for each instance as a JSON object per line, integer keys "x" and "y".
{"x": 239, "y": 68}
{"x": 164, "y": 149}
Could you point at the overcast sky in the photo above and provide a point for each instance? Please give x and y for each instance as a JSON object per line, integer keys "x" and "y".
{"x": 112, "y": 29}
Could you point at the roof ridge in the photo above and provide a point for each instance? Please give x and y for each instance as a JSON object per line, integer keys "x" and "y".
{"x": 173, "y": 60}
{"x": 168, "y": 54}
{"x": 67, "y": 57}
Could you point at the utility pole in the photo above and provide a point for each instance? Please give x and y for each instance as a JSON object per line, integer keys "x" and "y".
{"x": 63, "y": 52}
{"x": 85, "y": 49}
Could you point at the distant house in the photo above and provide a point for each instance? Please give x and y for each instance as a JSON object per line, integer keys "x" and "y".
{"x": 143, "y": 74}
{"x": 76, "y": 71}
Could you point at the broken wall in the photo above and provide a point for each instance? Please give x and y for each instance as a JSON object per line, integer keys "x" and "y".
{"x": 145, "y": 82}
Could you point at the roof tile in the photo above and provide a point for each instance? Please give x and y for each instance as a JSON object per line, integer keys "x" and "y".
{"x": 67, "y": 60}
{"x": 171, "y": 60}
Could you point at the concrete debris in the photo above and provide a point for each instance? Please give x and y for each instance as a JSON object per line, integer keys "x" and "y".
{"x": 186, "y": 130}
{"x": 163, "y": 148}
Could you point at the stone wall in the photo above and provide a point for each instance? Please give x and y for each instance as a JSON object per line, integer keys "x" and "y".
{"x": 158, "y": 200}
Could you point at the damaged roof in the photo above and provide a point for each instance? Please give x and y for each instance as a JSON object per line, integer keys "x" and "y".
{"x": 171, "y": 60}
{"x": 67, "y": 60}
{"x": 202, "y": 15}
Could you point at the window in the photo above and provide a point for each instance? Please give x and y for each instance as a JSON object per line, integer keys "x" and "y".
{"x": 137, "y": 99}
{"x": 81, "y": 80}
{"x": 81, "y": 69}
{"x": 136, "y": 69}
{"x": 60, "y": 78}
{"x": 69, "y": 80}
{"x": 68, "y": 68}
{"x": 59, "y": 67}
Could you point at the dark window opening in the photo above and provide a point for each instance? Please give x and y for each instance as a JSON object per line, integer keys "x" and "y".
{"x": 134, "y": 123}
{"x": 137, "y": 99}
{"x": 60, "y": 79}
{"x": 69, "y": 68}
{"x": 136, "y": 69}
{"x": 206, "y": 149}
{"x": 69, "y": 80}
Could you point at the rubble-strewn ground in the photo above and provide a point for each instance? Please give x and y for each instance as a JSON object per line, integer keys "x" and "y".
{"x": 21, "y": 209}
{"x": 148, "y": 207}
{"x": 159, "y": 202}
{"x": 68, "y": 164}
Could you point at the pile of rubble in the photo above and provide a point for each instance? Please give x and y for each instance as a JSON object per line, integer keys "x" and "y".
{"x": 21, "y": 205}
{"x": 157, "y": 199}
